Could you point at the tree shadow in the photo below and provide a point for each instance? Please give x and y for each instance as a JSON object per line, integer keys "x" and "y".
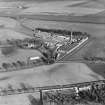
{"x": 33, "y": 100}
{"x": 97, "y": 68}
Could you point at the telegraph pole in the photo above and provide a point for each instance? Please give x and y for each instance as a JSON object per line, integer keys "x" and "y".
{"x": 41, "y": 97}
{"x": 71, "y": 35}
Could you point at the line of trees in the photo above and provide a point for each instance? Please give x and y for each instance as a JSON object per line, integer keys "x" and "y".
{"x": 93, "y": 58}
{"x": 13, "y": 65}
{"x": 60, "y": 31}
{"x": 11, "y": 90}
{"x": 49, "y": 56}
{"x": 95, "y": 94}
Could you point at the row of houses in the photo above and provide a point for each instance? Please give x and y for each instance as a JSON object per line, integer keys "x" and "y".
{"x": 26, "y": 43}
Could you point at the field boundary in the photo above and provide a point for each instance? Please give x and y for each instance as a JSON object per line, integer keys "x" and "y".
{"x": 62, "y": 18}
{"x": 45, "y": 88}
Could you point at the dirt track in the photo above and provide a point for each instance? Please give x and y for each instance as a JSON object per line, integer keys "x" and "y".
{"x": 62, "y": 18}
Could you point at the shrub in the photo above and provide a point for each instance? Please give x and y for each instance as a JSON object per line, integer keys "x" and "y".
{"x": 8, "y": 50}
{"x": 5, "y": 65}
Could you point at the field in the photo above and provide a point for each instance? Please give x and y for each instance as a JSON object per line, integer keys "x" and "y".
{"x": 18, "y": 54}
{"x": 49, "y": 75}
{"x": 17, "y": 21}
{"x": 95, "y": 30}
{"x": 21, "y": 99}
{"x": 57, "y": 74}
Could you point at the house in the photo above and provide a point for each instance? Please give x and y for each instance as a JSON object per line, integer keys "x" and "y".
{"x": 33, "y": 60}
{"x": 31, "y": 43}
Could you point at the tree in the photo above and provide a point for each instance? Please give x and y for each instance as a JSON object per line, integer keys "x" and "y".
{"x": 23, "y": 86}
{"x": 14, "y": 64}
{"x": 5, "y": 65}
{"x": 10, "y": 87}
{"x": 33, "y": 100}
{"x": 4, "y": 91}
{"x": 0, "y": 42}
{"x": 20, "y": 63}
{"x": 9, "y": 41}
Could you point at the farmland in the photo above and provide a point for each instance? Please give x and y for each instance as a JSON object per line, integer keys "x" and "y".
{"x": 96, "y": 30}
{"x": 18, "y": 54}
{"x": 55, "y": 74}
{"x": 49, "y": 75}
{"x": 21, "y": 99}
{"x": 17, "y": 22}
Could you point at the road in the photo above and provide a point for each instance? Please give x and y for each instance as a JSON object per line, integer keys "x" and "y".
{"x": 75, "y": 50}
{"x": 38, "y": 89}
